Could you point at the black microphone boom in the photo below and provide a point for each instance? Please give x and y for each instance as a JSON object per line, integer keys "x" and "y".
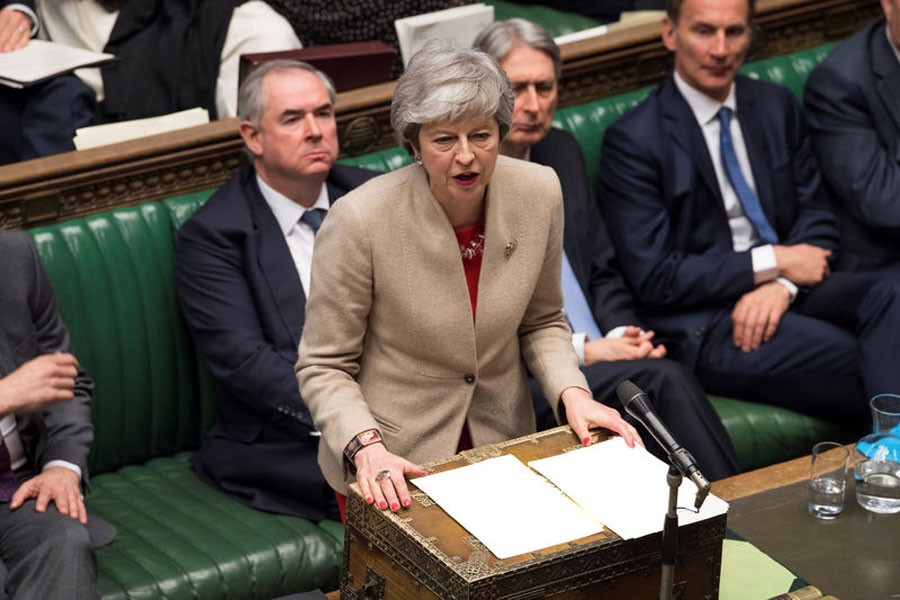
{"x": 638, "y": 406}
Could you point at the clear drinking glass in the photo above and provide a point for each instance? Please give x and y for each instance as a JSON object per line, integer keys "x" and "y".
{"x": 877, "y": 461}
{"x": 828, "y": 479}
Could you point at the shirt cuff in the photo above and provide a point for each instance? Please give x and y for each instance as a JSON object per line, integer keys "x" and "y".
{"x": 65, "y": 464}
{"x": 791, "y": 287}
{"x": 578, "y": 341}
{"x": 618, "y": 332}
{"x": 765, "y": 267}
{"x": 35, "y": 24}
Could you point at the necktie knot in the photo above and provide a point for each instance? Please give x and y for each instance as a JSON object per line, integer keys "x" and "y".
{"x": 724, "y": 115}
{"x": 313, "y": 217}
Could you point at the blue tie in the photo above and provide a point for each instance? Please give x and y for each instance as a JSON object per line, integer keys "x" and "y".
{"x": 577, "y": 310}
{"x": 314, "y": 217}
{"x": 749, "y": 202}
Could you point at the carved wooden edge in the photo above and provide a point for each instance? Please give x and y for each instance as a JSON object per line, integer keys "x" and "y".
{"x": 76, "y": 184}
{"x": 572, "y": 569}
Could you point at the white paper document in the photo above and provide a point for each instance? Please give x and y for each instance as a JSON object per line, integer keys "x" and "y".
{"x": 512, "y": 509}
{"x": 461, "y": 24}
{"x": 111, "y": 133}
{"x": 624, "y": 487}
{"x": 507, "y": 506}
{"x": 40, "y": 60}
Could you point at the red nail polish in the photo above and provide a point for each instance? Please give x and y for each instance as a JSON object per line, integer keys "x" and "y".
{"x": 382, "y": 505}
{"x": 406, "y": 503}
{"x": 369, "y": 500}
{"x": 586, "y": 441}
{"x": 395, "y": 506}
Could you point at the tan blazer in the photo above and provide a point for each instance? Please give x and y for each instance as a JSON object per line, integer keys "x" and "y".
{"x": 390, "y": 342}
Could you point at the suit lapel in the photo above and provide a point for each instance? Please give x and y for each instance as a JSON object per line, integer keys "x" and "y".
{"x": 757, "y": 149}
{"x": 887, "y": 74}
{"x": 542, "y": 153}
{"x": 275, "y": 262}
{"x": 682, "y": 130}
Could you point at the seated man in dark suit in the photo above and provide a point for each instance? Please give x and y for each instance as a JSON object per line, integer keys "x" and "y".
{"x": 39, "y": 120}
{"x": 717, "y": 210}
{"x": 242, "y": 270}
{"x": 853, "y": 104}
{"x": 45, "y": 436}
{"x": 591, "y": 280}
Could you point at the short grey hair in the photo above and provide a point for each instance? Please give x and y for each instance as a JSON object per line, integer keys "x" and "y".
{"x": 498, "y": 38}
{"x": 442, "y": 81}
{"x": 252, "y": 100}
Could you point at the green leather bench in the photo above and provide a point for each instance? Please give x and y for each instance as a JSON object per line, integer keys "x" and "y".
{"x": 179, "y": 538}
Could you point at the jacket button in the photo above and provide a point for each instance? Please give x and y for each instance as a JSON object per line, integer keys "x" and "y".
{"x": 470, "y": 378}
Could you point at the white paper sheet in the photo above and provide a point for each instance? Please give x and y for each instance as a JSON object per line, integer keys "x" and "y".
{"x": 623, "y": 487}
{"x": 111, "y": 133}
{"x": 508, "y": 507}
{"x": 41, "y": 60}
{"x": 461, "y": 24}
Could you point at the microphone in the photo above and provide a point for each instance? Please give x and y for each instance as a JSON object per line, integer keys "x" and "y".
{"x": 638, "y": 406}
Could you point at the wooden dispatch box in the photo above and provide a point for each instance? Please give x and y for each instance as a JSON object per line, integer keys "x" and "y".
{"x": 422, "y": 553}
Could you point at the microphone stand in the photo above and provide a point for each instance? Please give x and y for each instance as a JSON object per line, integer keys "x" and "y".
{"x": 670, "y": 537}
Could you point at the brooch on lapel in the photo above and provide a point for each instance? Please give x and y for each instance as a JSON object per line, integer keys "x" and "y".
{"x": 510, "y": 246}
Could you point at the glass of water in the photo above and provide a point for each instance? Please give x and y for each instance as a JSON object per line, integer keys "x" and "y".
{"x": 877, "y": 466}
{"x": 828, "y": 479}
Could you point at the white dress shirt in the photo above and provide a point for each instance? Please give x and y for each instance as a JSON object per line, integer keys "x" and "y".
{"x": 743, "y": 234}
{"x": 298, "y": 235}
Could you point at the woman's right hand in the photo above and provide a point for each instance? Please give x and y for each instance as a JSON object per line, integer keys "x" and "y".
{"x": 386, "y": 491}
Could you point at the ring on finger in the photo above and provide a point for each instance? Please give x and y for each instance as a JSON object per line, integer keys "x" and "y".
{"x": 383, "y": 476}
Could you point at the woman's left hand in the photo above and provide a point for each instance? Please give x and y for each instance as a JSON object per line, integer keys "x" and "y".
{"x": 583, "y": 413}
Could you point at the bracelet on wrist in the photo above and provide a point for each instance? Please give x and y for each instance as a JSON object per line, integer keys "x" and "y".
{"x": 360, "y": 441}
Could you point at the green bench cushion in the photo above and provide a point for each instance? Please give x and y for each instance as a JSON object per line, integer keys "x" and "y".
{"x": 179, "y": 538}
{"x": 765, "y": 435}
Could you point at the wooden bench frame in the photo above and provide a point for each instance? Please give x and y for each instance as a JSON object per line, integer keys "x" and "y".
{"x": 76, "y": 184}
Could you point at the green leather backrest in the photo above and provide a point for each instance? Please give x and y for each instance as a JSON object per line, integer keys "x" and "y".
{"x": 112, "y": 274}
{"x": 382, "y": 161}
{"x": 790, "y": 70}
{"x": 556, "y": 22}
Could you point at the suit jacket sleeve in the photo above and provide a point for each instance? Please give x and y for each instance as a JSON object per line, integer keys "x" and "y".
{"x": 219, "y": 306}
{"x": 586, "y": 241}
{"x": 661, "y": 271}
{"x": 861, "y": 170}
{"x": 670, "y": 229}
{"x": 69, "y": 431}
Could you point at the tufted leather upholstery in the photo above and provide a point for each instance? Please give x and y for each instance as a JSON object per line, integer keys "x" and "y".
{"x": 178, "y": 537}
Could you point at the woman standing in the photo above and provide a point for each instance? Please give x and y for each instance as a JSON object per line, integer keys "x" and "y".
{"x": 436, "y": 289}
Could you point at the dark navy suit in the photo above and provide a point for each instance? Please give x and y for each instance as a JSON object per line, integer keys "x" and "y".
{"x": 674, "y": 391}
{"x": 242, "y": 299}
{"x": 661, "y": 199}
{"x": 853, "y": 104}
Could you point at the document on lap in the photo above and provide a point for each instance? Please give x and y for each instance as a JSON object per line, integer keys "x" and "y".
{"x": 41, "y": 60}
{"x": 512, "y": 509}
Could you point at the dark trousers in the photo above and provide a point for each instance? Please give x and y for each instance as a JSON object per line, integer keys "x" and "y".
{"x": 41, "y": 120}
{"x": 677, "y": 398}
{"x": 45, "y": 555}
{"x": 838, "y": 345}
